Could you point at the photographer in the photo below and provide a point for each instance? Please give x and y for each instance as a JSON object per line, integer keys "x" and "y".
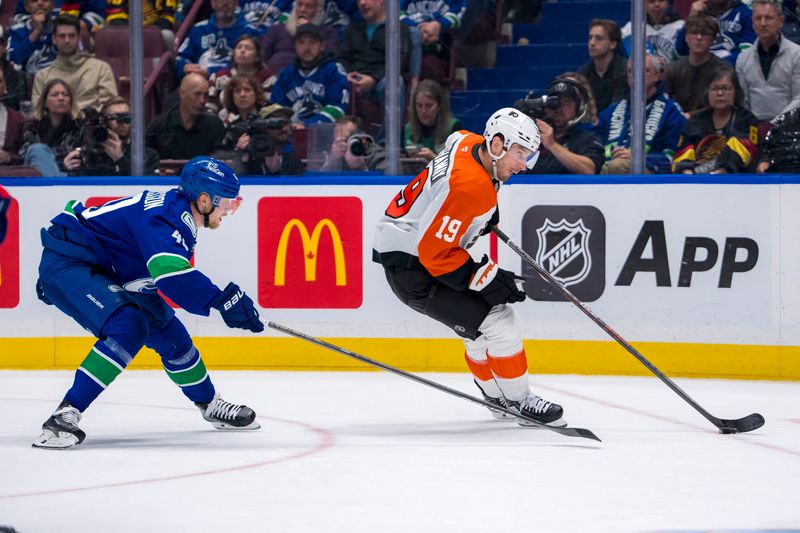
{"x": 263, "y": 146}
{"x": 106, "y": 149}
{"x": 566, "y": 149}
{"x": 352, "y": 149}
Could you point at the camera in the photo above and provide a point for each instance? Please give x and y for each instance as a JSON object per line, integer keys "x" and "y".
{"x": 361, "y": 145}
{"x": 260, "y": 144}
{"x": 94, "y": 132}
{"x": 535, "y": 107}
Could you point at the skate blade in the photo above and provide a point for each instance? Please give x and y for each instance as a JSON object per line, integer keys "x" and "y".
{"x": 560, "y": 423}
{"x": 56, "y": 441}
{"x": 254, "y": 425}
{"x": 499, "y": 415}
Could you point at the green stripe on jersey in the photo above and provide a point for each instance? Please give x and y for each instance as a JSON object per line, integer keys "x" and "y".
{"x": 165, "y": 264}
{"x": 189, "y": 376}
{"x": 101, "y": 368}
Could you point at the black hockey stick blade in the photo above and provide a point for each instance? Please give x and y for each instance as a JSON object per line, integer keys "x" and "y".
{"x": 567, "y": 431}
{"x": 741, "y": 425}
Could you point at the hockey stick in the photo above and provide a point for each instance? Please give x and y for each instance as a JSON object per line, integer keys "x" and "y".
{"x": 739, "y": 425}
{"x": 569, "y": 432}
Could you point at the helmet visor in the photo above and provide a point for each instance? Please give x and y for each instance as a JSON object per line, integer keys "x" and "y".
{"x": 530, "y": 161}
{"x": 230, "y": 205}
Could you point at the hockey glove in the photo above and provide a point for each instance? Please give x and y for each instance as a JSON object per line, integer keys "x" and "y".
{"x": 237, "y": 309}
{"x": 495, "y": 220}
{"x": 497, "y": 286}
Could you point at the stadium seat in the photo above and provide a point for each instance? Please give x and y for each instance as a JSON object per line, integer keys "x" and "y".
{"x": 18, "y": 171}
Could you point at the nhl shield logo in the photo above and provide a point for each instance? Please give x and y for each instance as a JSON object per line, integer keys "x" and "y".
{"x": 564, "y": 250}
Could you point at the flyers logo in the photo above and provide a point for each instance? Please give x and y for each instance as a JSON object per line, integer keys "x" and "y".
{"x": 9, "y": 259}
{"x": 309, "y": 252}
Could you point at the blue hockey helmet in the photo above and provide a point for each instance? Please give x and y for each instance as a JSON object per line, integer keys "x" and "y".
{"x": 204, "y": 174}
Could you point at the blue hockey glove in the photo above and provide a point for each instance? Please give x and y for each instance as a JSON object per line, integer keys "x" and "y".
{"x": 497, "y": 286}
{"x": 237, "y": 309}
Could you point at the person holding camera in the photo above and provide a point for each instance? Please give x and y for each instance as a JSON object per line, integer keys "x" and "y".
{"x": 566, "y": 149}
{"x": 268, "y": 149}
{"x": 352, "y": 149}
{"x": 106, "y": 149}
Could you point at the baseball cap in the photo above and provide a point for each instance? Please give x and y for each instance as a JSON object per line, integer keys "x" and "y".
{"x": 308, "y": 29}
{"x": 560, "y": 87}
{"x": 272, "y": 109}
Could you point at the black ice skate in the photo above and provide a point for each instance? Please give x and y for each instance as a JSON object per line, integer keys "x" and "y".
{"x": 229, "y": 416}
{"x": 61, "y": 430}
{"x": 500, "y": 402}
{"x": 539, "y": 409}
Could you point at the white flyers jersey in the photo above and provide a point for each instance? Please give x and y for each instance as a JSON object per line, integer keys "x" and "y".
{"x": 441, "y": 212}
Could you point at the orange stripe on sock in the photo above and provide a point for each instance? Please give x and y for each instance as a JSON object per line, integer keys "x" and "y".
{"x": 509, "y": 367}
{"x": 479, "y": 369}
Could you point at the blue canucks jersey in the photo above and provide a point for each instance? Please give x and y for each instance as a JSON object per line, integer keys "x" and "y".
{"x": 147, "y": 241}
{"x": 320, "y": 94}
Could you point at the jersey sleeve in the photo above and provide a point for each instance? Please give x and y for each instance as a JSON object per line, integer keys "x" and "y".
{"x": 167, "y": 254}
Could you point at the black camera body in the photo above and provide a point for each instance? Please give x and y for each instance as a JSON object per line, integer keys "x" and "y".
{"x": 94, "y": 132}
{"x": 260, "y": 144}
{"x": 361, "y": 144}
{"x": 535, "y": 107}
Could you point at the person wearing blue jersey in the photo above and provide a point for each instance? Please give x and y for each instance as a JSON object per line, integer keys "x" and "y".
{"x": 316, "y": 86}
{"x": 736, "y": 33}
{"x": 31, "y": 38}
{"x": 208, "y": 46}
{"x": 102, "y": 267}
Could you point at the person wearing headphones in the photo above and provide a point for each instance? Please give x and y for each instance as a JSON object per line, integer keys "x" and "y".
{"x": 566, "y": 148}
{"x": 422, "y": 242}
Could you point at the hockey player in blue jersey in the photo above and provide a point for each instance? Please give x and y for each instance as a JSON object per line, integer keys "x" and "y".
{"x": 102, "y": 267}
{"x": 316, "y": 86}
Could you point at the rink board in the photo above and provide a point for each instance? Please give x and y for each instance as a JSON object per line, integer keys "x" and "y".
{"x": 700, "y": 276}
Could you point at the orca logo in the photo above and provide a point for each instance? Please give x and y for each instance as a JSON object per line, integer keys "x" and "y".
{"x": 568, "y": 242}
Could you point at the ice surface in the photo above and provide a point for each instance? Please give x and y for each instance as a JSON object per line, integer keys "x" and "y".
{"x": 372, "y": 452}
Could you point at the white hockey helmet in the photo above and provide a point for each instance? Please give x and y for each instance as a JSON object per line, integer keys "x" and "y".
{"x": 513, "y": 126}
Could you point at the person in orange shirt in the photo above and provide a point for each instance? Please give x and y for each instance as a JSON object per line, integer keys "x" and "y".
{"x": 422, "y": 241}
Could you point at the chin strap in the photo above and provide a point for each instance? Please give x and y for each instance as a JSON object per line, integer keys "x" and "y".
{"x": 495, "y": 159}
{"x": 205, "y": 215}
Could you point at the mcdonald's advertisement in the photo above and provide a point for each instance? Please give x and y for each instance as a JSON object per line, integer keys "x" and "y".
{"x": 310, "y": 252}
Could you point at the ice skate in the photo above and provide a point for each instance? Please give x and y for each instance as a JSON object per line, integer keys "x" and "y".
{"x": 539, "y": 409}
{"x": 228, "y": 416}
{"x": 61, "y": 430}
{"x": 500, "y": 402}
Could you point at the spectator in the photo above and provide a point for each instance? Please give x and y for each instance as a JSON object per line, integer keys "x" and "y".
{"x": 363, "y": 52}
{"x": 159, "y": 13}
{"x": 16, "y": 88}
{"x": 780, "y": 152}
{"x": 430, "y": 121}
{"x": 315, "y": 87}
{"x": 89, "y": 12}
{"x": 725, "y": 134}
{"x": 770, "y": 70}
{"x": 688, "y": 78}
{"x": 429, "y": 22}
{"x": 112, "y": 157}
{"x": 54, "y": 131}
{"x": 185, "y": 131}
{"x": 605, "y": 71}
{"x": 589, "y": 119}
{"x": 243, "y": 99}
{"x": 31, "y": 38}
{"x": 735, "y": 28}
{"x": 565, "y": 148}
{"x": 91, "y": 79}
{"x": 275, "y": 156}
{"x": 12, "y": 127}
{"x": 246, "y": 59}
{"x": 340, "y": 14}
{"x": 279, "y": 41}
{"x": 662, "y": 30}
{"x": 352, "y": 149}
{"x": 207, "y": 47}
{"x": 664, "y": 123}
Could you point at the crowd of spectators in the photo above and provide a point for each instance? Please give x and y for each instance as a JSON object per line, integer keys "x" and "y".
{"x": 251, "y": 78}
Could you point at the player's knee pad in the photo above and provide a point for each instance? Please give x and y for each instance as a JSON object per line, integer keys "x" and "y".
{"x": 502, "y": 331}
{"x": 173, "y": 343}
{"x": 476, "y": 349}
{"x": 125, "y": 332}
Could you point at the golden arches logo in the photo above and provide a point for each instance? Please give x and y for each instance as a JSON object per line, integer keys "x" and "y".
{"x": 310, "y": 247}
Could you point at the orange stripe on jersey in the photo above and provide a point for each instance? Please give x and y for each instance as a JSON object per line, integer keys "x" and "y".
{"x": 471, "y": 194}
{"x": 479, "y": 369}
{"x": 509, "y": 367}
